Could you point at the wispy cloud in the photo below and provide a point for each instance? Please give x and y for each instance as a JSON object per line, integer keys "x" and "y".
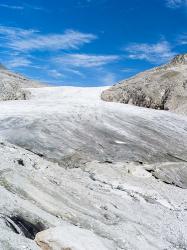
{"x": 34, "y": 7}
{"x": 88, "y": 3}
{"x": 14, "y": 7}
{"x": 86, "y": 60}
{"x": 18, "y": 62}
{"x": 88, "y": 65}
{"x": 108, "y": 79}
{"x": 182, "y": 39}
{"x": 28, "y": 40}
{"x": 156, "y": 53}
{"x": 128, "y": 70}
{"x": 59, "y": 61}
{"x": 11, "y": 33}
{"x": 75, "y": 72}
{"x": 22, "y": 7}
{"x": 55, "y": 73}
{"x": 69, "y": 40}
{"x": 176, "y": 3}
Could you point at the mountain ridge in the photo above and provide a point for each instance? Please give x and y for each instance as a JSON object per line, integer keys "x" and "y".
{"x": 163, "y": 87}
{"x": 14, "y": 86}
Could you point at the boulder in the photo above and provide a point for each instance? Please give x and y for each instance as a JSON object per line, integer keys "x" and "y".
{"x": 68, "y": 238}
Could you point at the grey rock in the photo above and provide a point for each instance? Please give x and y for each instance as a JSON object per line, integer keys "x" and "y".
{"x": 12, "y": 85}
{"x": 118, "y": 202}
{"x": 164, "y": 88}
{"x": 24, "y": 82}
{"x": 171, "y": 173}
{"x": 69, "y": 237}
{"x": 11, "y": 90}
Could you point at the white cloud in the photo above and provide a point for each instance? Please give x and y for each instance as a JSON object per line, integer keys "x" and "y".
{"x": 28, "y": 40}
{"x": 33, "y": 7}
{"x": 88, "y": 3}
{"x": 75, "y": 72}
{"x": 127, "y": 70}
{"x": 84, "y": 65}
{"x": 69, "y": 40}
{"x": 11, "y": 33}
{"x": 108, "y": 79}
{"x": 21, "y": 7}
{"x": 176, "y": 3}
{"x": 55, "y": 73}
{"x": 14, "y": 7}
{"x": 18, "y": 62}
{"x": 20, "y": 47}
{"x": 182, "y": 39}
{"x": 85, "y": 60}
{"x": 156, "y": 53}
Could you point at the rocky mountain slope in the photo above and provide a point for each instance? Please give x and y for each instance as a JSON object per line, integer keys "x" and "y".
{"x": 12, "y": 85}
{"x": 80, "y": 173}
{"x": 164, "y": 88}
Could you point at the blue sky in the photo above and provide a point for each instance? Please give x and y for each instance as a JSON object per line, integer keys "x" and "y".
{"x": 90, "y": 42}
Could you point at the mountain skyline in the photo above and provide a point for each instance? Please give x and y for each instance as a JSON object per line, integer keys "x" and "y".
{"x": 90, "y": 42}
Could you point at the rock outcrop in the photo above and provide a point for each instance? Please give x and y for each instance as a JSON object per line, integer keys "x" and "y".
{"x": 69, "y": 237}
{"x": 13, "y": 86}
{"x": 11, "y": 90}
{"x": 118, "y": 202}
{"x": 164, "y": 88}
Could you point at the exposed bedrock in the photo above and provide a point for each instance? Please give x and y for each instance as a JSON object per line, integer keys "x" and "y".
{"x": 163, "y": 88}
{"x": 14, "y": 86}
{"x": 115, "y": 202}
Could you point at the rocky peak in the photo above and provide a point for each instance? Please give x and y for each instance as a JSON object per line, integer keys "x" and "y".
{"x": 164, "y": 87}
{"x": 179, "y": 59}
